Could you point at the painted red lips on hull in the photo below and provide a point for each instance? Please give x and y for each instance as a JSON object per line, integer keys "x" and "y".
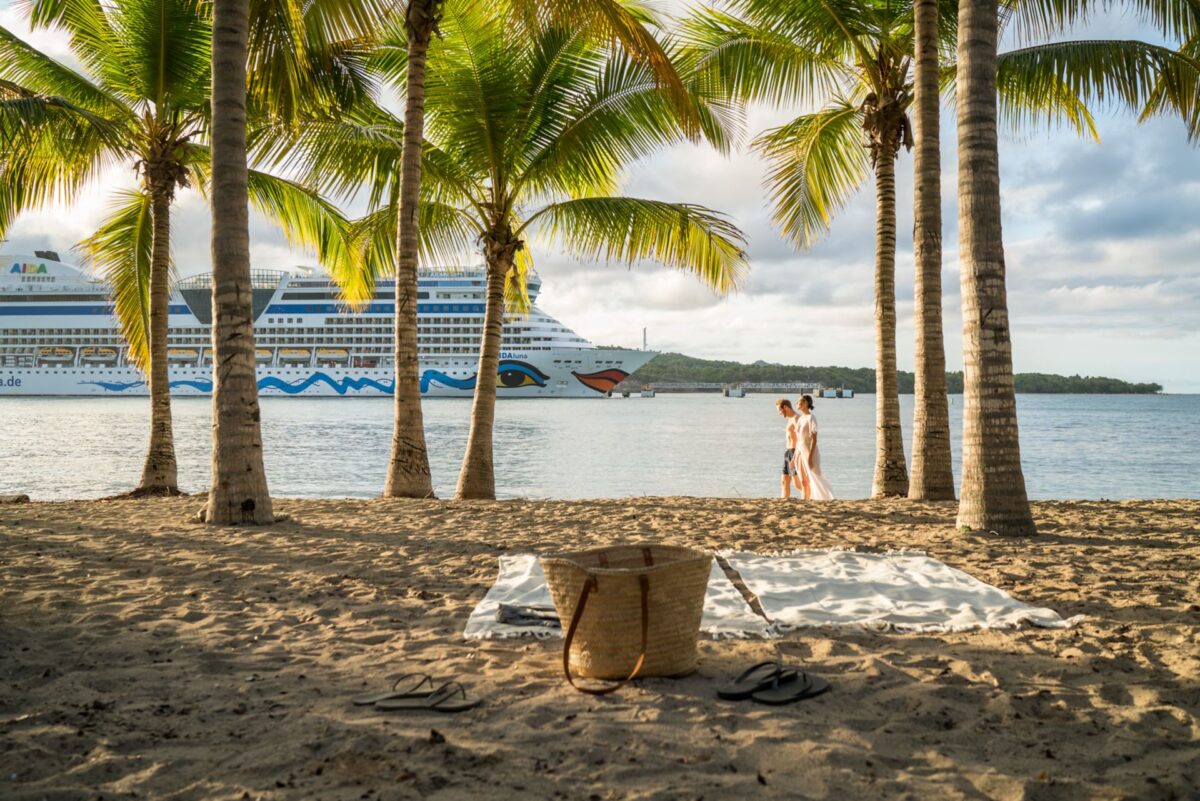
{"x": 603, "y": 381}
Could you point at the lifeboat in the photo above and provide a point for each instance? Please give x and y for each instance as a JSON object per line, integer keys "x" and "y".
{"x": 263, "y": 355}
{"x": 56, "y": 355}
{"x": 98, "y": 355}
{"x": 333, "y": 355}
{"x": 182, "y": 355}
{"x": 294, "y": 355}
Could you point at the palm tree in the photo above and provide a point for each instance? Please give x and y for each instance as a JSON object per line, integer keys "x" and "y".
{"x": 993, "y": 496}
{"x": 143, "y": 101}
{"x": 861, "y": 55}
{"x": 239, "y": 491}
{"x": 932, "y": 472}
{"x": 408, "y": 462}
{"x": 301, "y": 58}
{"x": 525, "y": 138}
{"x": 993, "y": 489}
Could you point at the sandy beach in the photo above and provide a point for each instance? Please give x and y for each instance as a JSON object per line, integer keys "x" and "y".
{"x": 145, "y": 655}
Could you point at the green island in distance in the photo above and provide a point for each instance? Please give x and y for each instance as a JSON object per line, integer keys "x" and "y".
{"x": 676, "y": 368}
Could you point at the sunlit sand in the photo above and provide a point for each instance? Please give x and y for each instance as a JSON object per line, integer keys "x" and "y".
{"x": 147, "y": 654}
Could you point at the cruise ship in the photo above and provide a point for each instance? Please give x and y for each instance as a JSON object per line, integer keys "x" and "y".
{"x": 58, "y": 336}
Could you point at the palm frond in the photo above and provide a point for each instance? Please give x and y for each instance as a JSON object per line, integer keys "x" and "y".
{"x": 610, "y": 116}
{"x": 1060, "y": 81}
{"x": 817, "y": 161}
{"x": 757, "y": 62}
{"x": 165, "y": 48}
{"x": 310, "y": 56}
{"x": 120, "y": 252}
{"x": 690, "y": 238}
{"x": 24, "y": 113}
{"x": 630, "y": 24}
{"x": 516, "y": 284}
{"x": 87, "y": 24}
{"x": 27, "y": 67}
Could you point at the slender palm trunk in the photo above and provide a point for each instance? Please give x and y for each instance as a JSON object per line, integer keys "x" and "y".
{"x": 239, "y": 483}
{"x": 993, "y": 487}
{"x": 408, "y": 465}
{"x": 159, "y": 472}
{"x": 477, "y": 477}
{"x": 891, "y": 474}
{"x": 932, "y": 474}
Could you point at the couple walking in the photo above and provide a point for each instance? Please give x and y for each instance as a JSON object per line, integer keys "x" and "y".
{"x": 802, "y": 460}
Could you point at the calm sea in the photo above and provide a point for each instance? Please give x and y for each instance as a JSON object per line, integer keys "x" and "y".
{"x": 1073, "y": 446}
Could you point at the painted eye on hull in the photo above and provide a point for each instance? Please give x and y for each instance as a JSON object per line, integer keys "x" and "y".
{"x": 514, "y": 374}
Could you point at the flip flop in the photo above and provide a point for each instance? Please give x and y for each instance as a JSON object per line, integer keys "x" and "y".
{"x": 418, "y": 690}
{"x": 443, "y": 699}
{"x": 797, "y": 687}
{"x": 753, "y": 679}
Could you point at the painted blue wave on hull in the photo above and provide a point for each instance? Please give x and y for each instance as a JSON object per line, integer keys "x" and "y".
{"x": 340, "y": 386}
{"x": 114, "y": 386}
{"x": 454, "y": 383}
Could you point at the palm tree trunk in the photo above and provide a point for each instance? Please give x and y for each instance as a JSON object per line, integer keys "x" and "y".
{"x": 239, "y": 483}
{"x": 159, "y": 474}
{"x": 408, "y": 465}
{"x": 477, "y": 477}
{"x": 891, "y": 474}
{"x": 932, "y": 474}
{"x": 993, "y": 487}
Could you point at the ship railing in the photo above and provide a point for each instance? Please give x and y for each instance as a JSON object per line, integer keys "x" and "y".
{"x": 259, "y": 279}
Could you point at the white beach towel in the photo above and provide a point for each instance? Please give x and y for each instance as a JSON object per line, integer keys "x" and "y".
{"x": 901, "y": 591}
{"x": 522, "y": 583}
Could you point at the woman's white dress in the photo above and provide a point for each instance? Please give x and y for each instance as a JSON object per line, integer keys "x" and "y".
{"x": 807, "y": 451}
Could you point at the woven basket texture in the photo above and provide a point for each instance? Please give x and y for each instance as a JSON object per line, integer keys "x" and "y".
{"x": 608, "y": 640}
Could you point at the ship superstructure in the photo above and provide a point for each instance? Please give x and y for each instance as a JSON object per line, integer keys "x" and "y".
{"x": 58, "y": 336}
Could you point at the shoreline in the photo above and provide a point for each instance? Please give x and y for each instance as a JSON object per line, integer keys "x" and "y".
{"x": 153, "y": 655}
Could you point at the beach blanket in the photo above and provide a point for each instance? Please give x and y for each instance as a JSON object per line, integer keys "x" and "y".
{"x": 900, "y": 591}
{"x": 522, "y": 583}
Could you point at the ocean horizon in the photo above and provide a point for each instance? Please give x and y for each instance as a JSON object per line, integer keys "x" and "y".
{"x": 1073, "y": 446}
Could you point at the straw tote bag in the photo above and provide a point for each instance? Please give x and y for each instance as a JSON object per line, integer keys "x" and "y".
{"x": 634, "y": 610}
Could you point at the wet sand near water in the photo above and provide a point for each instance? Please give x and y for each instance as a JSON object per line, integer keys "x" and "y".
{"x": 145, "y": 655}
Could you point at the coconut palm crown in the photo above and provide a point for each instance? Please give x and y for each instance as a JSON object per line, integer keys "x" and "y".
{"x": 526, "y": 141}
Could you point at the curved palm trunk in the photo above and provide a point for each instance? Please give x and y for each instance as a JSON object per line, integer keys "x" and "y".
{"x": 891, "y": 474}
{"x": 408, "y": 465}
{"x": 932, "y": 474}
{"x": 239, "y": 483}
{"x": 993, "y": 487}
{"x": 159, "y": 473}
{"x": 477, "y": 477}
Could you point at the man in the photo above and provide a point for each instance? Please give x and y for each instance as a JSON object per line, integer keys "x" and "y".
{"x": 789, "y": 456}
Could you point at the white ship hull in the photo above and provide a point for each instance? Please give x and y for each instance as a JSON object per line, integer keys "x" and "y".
{"x": 59, "y": 336}
{"x": 582, "y": 373}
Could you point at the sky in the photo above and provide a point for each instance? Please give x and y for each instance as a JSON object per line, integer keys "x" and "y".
{"x": 1102, "y": 245}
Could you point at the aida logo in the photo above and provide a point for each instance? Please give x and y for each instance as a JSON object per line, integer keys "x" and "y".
{"x": 28, "y": 269}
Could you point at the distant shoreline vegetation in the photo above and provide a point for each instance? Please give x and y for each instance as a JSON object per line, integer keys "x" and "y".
{"x": 670, "y": 368}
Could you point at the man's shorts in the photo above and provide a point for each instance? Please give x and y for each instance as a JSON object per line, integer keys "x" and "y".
{"x": 789, "y": 469}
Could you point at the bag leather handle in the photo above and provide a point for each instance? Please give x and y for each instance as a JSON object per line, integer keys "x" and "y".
{"x": 589, "y": 587}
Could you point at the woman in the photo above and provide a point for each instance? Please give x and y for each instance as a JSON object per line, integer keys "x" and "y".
{"x": 808, "y": 457}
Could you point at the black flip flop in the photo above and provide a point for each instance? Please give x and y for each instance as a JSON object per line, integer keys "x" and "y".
{"x": 753, "y": 679}
{"x": 788, "y": 690}
{"x": 422, "y": 689}
{"x": 443, "y": 699}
